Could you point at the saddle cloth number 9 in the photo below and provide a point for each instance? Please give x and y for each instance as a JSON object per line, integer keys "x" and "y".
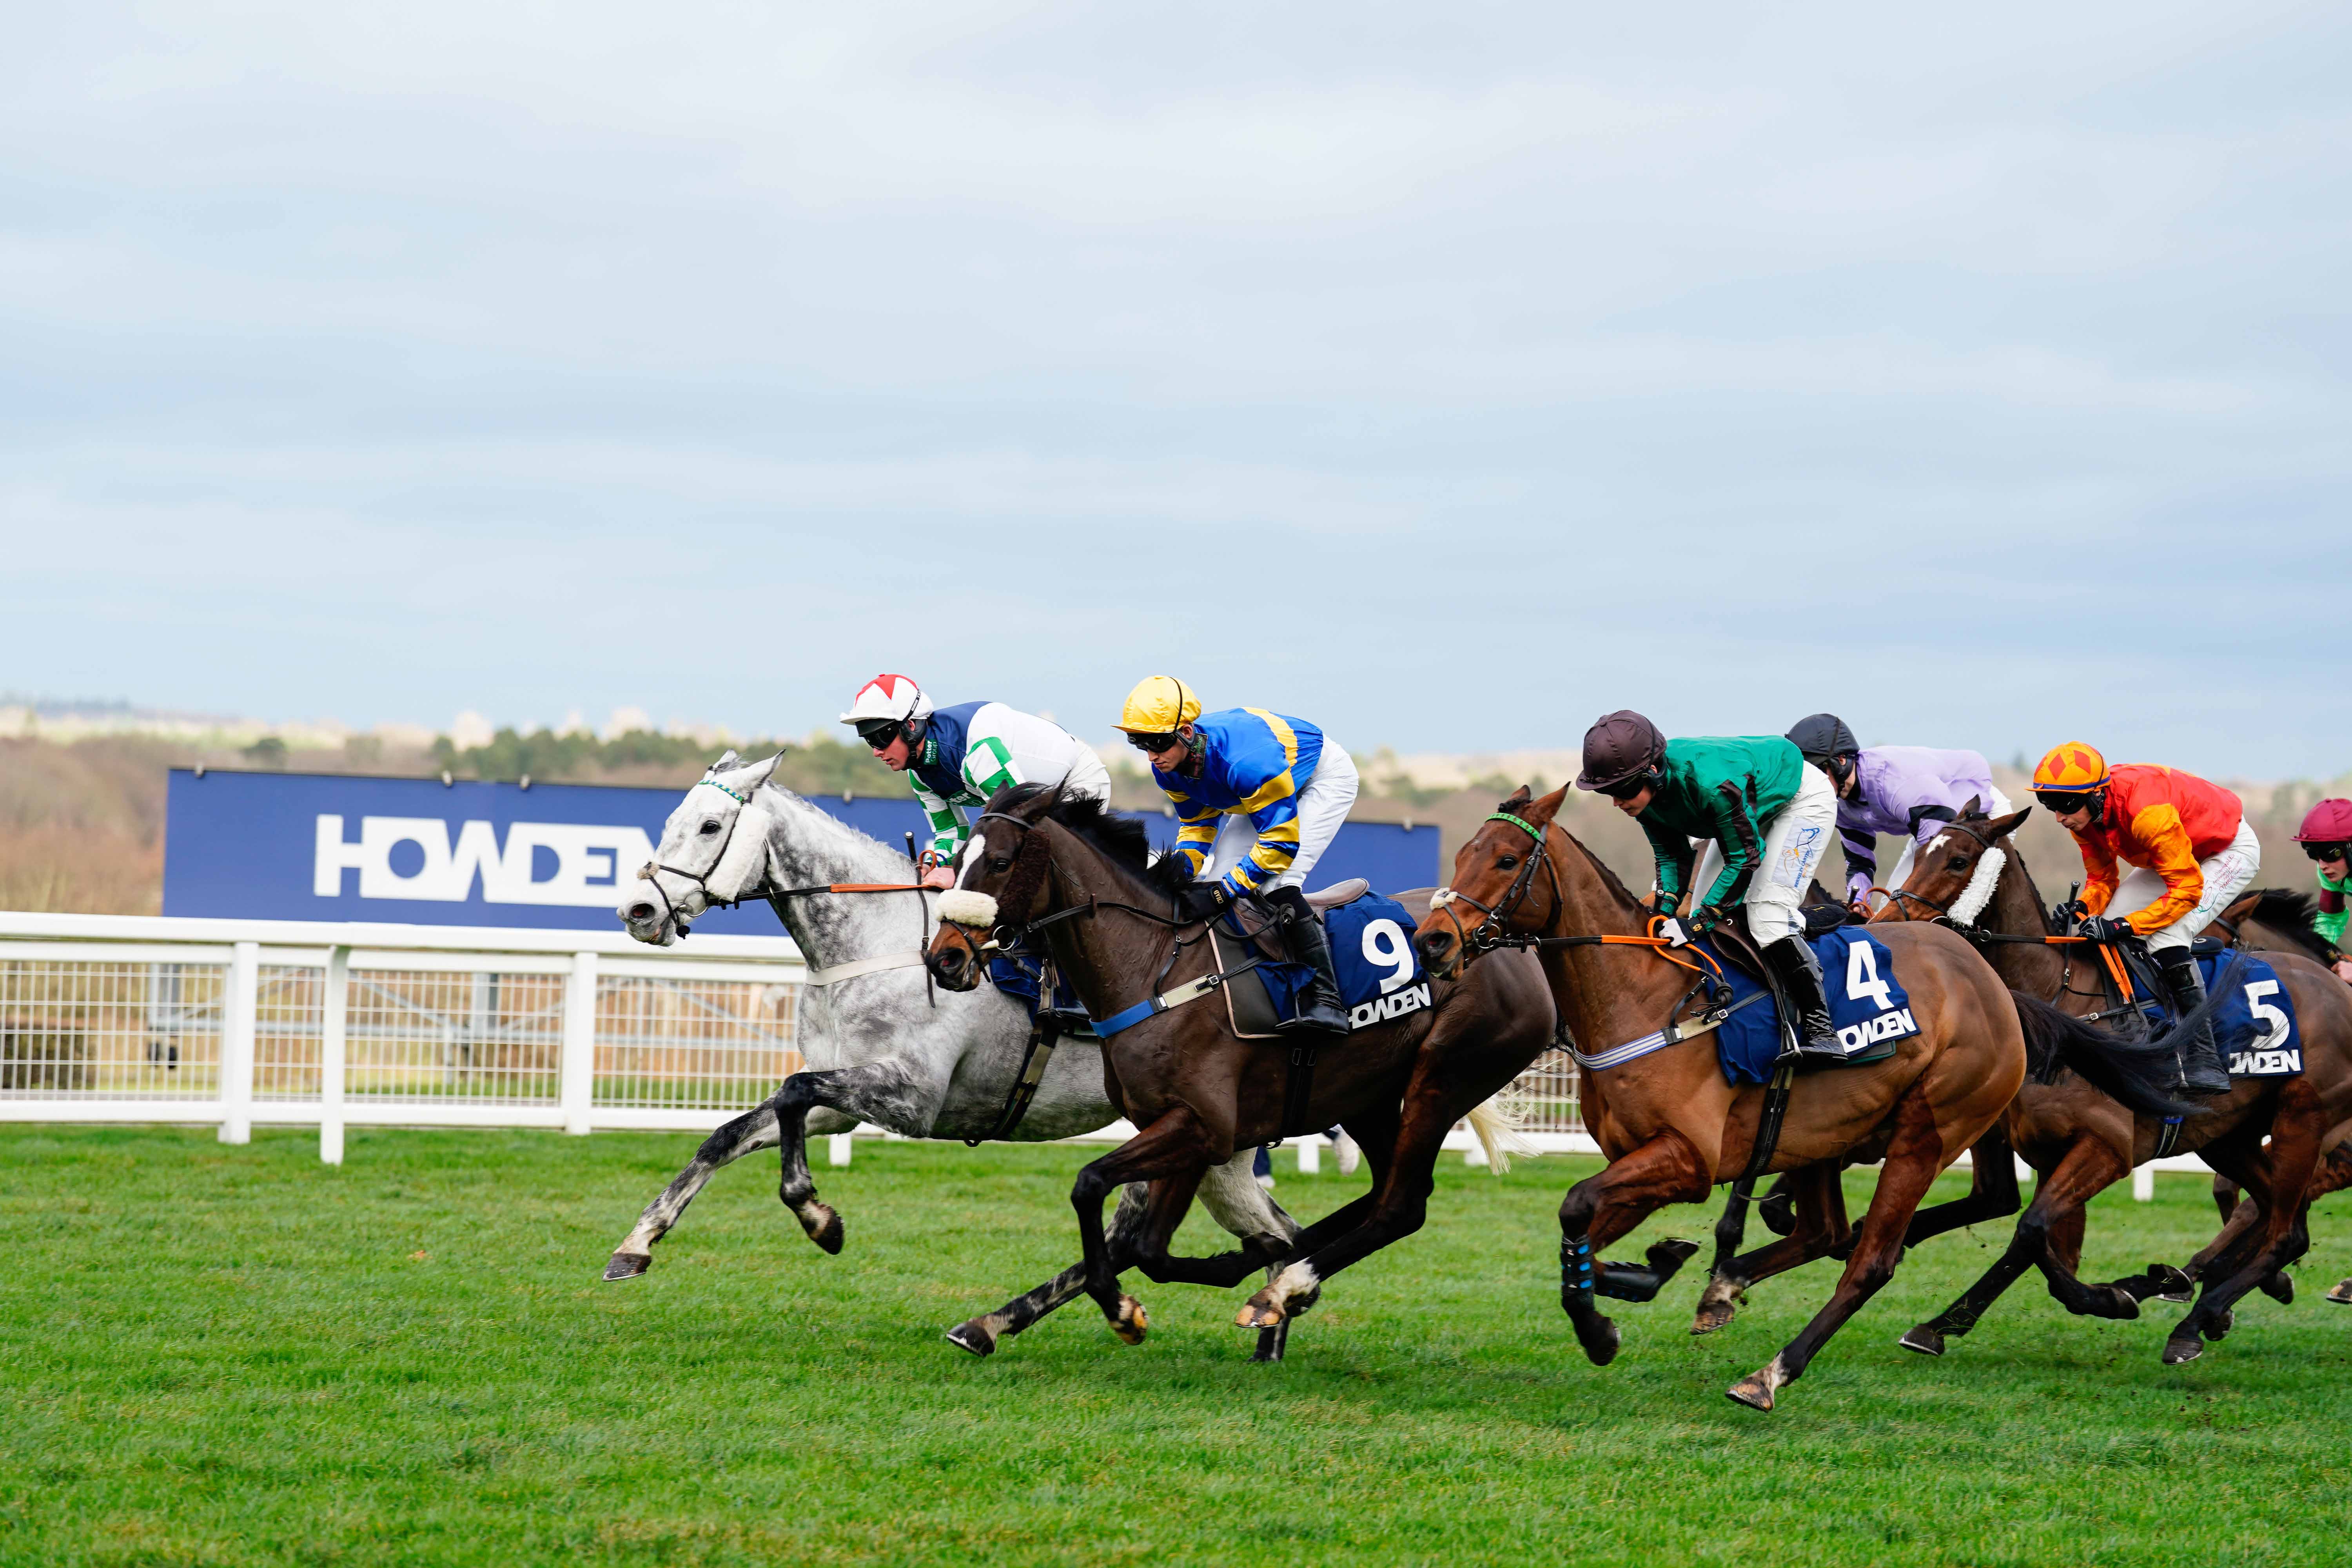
{"x": 1385, "y": 947}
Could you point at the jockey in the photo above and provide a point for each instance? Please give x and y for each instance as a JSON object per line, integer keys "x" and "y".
{"x": 2190, "y": 850}
{"x": 956, "y": 758}
{"x": 2326, "y": 837}
{"x": 1765, "y": 815}
{"x": 1259, "y": 797}
{"x": 1904, "y": 792}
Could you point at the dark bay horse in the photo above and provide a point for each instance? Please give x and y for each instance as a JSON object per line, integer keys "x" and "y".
{"x": 1672, "y": 1128}
{"x": 2081, "y": 1138}
{"x": 1083, "y": 879}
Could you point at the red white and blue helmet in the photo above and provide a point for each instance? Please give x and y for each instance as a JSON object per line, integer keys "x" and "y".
{"x": 889, "y": 699}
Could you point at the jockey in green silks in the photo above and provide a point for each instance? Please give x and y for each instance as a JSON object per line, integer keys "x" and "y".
{"x": 1763, "y": 815}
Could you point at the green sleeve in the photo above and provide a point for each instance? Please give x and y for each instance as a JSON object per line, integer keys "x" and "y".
{"x": 1669, "y": 846}
{"x": 2327, "y": 925}
{"x": 948, "y": 830}
{"x": 1739, "y": 836}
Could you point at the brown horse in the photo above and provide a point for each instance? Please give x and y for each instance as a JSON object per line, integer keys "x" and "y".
{"x": 1083, "y": 879}
{"x": 1671, "y": 1126}
{"x": 2082, "y": 1138}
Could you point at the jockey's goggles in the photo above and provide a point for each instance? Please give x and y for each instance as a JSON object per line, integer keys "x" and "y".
{"x": 1626, "y": 789}
{"x": 2326, "y": 852}
{"x": 878, "y": 734}
{"x": 2063, "y": 803}
{"x": 1154, "y": 742}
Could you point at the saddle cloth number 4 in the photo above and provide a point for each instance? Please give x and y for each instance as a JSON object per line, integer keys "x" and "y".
{"x": 1861, "y": 981}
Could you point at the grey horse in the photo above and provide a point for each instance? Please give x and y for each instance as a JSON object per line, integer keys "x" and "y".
{"x": 882, "y": 1045}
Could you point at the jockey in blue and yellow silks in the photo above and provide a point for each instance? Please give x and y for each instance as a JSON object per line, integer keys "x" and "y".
{"x": 1260, "y": 796}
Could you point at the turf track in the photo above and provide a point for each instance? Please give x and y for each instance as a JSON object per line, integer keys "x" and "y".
{"x": 235, "y": 1355}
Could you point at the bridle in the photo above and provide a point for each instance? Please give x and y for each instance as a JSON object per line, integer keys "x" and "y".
{"x": 701, "y": 879}
{"x": 1944, "y": 910}
{"x": 1489, "y": 933}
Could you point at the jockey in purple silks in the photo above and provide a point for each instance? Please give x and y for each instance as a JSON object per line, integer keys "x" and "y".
{"x": 1904, "y": 792}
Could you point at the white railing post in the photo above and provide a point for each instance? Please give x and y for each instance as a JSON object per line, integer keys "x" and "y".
{"x": 837, "y": 1146}
{"x": 2144, "y": 1183}
{"x": 237, "y": 1010}
{"x": 578, "y": 1077}
{"x": 1310, "y": 1154}
{"x": 334, "y": 1020}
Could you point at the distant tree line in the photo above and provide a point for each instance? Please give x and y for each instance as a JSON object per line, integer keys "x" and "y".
{"x": 819, "y": 766}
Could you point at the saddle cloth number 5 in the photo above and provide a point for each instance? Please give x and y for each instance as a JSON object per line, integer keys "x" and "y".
{"x": 2273, "y": 1022}
{"x": 1861, "y": 979}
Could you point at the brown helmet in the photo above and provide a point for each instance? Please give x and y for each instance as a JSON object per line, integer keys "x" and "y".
{"x": 1619, "y": 746}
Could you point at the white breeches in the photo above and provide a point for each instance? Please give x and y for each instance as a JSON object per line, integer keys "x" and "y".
{"x": 1793, "y": 847}
{"x": 1323, "y": 805}
{"x": 2226, "y": 876}
{"x": 1997, "y": 805}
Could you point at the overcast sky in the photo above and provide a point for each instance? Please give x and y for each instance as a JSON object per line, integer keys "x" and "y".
{"x": 1445, "y": 374}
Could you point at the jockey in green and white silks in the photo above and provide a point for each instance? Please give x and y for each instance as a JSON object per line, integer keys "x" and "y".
{"x": 956, "y": 758}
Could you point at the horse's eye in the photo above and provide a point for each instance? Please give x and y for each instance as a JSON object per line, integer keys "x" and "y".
{"x": 1507, "y": 861}
{"x": 1000, "y": 862}
{"x": 711, "y": 825}
{"x": 1958, "y": 864}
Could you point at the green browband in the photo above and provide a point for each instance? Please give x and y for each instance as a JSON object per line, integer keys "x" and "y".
{"x": 1526, "y": 828}
{"x": 746, "y": 799}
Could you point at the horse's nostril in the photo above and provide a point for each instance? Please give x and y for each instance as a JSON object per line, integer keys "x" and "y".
{"x": 641, "y": 912}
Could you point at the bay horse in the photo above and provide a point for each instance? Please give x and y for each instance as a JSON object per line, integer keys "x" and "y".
{"x": 1083, "y": 879}
{"x": 2081, "y": 1139}
{"x": 1671, "y": 1126}
{"x": 879, "y": 1045}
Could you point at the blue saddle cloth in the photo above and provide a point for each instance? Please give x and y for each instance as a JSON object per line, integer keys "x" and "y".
{"x": 1379, "y": 969}
{"x": 1870, "y": 1008}
{"x": 2255, "y": 1028}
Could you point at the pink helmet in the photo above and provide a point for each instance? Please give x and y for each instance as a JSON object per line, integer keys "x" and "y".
{"x": 2329, "y": 822}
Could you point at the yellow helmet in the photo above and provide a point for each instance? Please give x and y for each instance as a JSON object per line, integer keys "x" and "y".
{"x": 2071, "y": 767}
{"x": 1158, "y": 705}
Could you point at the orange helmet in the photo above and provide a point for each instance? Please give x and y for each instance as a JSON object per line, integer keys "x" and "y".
{"x": 2071, "y": 768}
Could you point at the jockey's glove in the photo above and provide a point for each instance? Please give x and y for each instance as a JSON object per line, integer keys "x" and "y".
{"x": 2105, "y": 928}
{"x": 2070, "y": 912}
{"x": 1204, "y": 901}
{"x": 1704, "y": 919}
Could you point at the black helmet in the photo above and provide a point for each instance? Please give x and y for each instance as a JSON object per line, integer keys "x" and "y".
{"x": 1619, "y": 747}
{"x": 1821, "y": 737}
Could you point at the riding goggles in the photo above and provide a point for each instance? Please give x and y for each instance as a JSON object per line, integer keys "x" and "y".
{"x": 1150, "y": 742}
{"x": 1627, "y": 788}
{"x": 2062, "y": 802}
{"x": 878, "y": 734}
{"x": 2326, "y": 852}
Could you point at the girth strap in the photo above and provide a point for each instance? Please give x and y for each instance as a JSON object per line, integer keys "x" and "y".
{"x": 1767, "y": 1124}
{"x": 1044, "y": 1034}
{"x": 1174, "y": 996}
{"x": 1299, "y": 1089}
{"x": 856, "y": 967}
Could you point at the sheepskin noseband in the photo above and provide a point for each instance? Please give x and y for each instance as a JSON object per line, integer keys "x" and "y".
{"x": 1979, "y": 893}
{"x": 960, "y": 906}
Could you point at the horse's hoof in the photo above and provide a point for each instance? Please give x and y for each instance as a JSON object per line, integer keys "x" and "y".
{"x": 1716, "y": 1305}
{"x": 2173, "y": 1284}
{"x": 973, "y": 1336}
{"x": 1258, "y": 1312}
{"x": 2122, "y": 1305}
{"x": 1665, "y": 1257}
{"x": 1756, "y": 1389}
{"x": 2342, "y": 1294}
{"x": 1599, "y": 1338}
{"x": 823, "y": 1225}
{"x": 2219, "y": 1328}
{"x": 1132, "y": 1322}
{"x": 1778, "y": 1212}
{"x": 2279, "y": 1288}
{"x": 2181, "y": 1352}
{"x": 627, "y": 1265}
{"x": 1924, "y": 1339}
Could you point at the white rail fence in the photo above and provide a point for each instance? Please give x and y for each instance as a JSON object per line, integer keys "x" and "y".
{"x": 153, "y": 1019}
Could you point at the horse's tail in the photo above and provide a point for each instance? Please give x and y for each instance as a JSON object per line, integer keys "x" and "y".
{"x": 1497, "y": 1127}
{"x": 2138, "y": 1073}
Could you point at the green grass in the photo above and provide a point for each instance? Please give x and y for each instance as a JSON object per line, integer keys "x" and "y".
{"x": 235, "y": 1355}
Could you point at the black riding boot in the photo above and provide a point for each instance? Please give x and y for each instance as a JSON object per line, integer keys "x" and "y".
{"x": 1800, "y": 974}
{"x": 2201, "y": 1068}
{"x": 1302, "y": 935}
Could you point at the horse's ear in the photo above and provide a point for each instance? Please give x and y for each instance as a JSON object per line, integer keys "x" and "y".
{"x": 1543, "y": 808}
{"x": 770, "y": 770}
{"x": 1974, "y": 808}
{"x": 1036, "y": 809}
{"x": 727, "y": 759}
{"x": 2003, "y": 826}
{"x": 1520, "y": 797}
{"x": 2243, "y": 908}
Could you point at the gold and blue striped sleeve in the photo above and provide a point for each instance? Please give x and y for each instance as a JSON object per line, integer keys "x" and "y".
{"x": 1196, "y": 832}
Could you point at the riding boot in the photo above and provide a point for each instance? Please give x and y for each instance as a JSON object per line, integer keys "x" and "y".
{"x": 1320, "y": 1008}
{"x": 1800, "y": 974}
{"x": 2201, "y": 1068}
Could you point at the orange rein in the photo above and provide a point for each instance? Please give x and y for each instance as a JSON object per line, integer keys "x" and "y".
{"x": 2106, "y": 954}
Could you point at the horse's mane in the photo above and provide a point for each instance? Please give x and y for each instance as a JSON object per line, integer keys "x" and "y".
{"x": 2288, "y": 912}
{"x": 1120, "y": 839}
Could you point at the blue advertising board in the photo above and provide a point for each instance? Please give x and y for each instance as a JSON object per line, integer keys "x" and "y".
{"x": 334, "y": 847}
